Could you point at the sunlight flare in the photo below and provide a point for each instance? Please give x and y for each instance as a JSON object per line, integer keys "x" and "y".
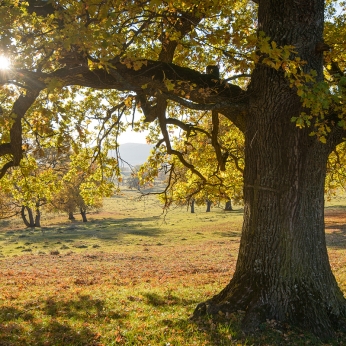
{"x": 4, "y": 62}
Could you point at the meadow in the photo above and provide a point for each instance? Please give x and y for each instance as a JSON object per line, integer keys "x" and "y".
{"x": 133, "y": 275}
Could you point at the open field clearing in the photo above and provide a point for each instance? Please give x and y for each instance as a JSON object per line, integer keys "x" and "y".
{"x": 131, "y": 276}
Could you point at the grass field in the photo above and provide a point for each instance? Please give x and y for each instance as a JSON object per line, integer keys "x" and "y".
{"x": 133, "y": 276}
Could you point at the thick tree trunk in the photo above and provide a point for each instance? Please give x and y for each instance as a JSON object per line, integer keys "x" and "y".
{"x": 283, "y": 271}
{"x": 83, "y": 213}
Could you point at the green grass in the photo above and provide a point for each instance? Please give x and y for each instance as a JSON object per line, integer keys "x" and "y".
{"x": 124, "y": 221}
{"x": 130, "y": 276}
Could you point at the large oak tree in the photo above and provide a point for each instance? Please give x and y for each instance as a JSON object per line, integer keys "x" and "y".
{"x": 277, "y": 66}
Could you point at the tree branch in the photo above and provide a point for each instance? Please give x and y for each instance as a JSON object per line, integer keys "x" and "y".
{"x": 14, "y": 148}
{"x": 207, "y": 93}
{"x": 215, "y": 143}
{"x": 186, "y": 127}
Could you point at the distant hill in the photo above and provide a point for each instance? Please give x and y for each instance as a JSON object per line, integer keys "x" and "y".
{"x": 134, "y": 153}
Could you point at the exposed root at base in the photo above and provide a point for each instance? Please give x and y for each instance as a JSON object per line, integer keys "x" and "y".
{"x": 310, "y": 318}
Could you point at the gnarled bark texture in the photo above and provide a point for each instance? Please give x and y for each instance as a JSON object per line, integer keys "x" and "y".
{"x": 283, "y": 271}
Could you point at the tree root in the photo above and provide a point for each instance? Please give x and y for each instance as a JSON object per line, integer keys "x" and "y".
{"x": 307, "y": 315}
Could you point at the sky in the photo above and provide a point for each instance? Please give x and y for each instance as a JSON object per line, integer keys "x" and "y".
{"x": 130, "y": 136}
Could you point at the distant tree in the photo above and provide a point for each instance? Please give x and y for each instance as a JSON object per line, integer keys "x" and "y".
{"x": 83, "y": 186}
{"x": 209, "y": 204}
{"x": 29, "y": 187}
{"x": 45, "y": 177}
{"x": 192, "y": 205}
{"x": 228, "y": 205}
{"x": 133, "y": 181}
{"x": 69, "y": 199}
{"x": 8, "y": 207}
{"x": 208, "y": 181}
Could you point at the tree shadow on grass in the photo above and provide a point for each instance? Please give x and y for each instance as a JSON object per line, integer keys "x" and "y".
{"x": 82, "y": 309}
{"x": 335, "y": 208}
{"x": 56, "y": 333}
{"x": 226, "y": 330}
{"x": 114, "y": 228}
{"x": 134, "y": 226}
{"x": 5, "y": 223}
{"x": 337, "y": 237}
{"x": 22, "y": 327}
{"x": 229, "y": 234}
{"x": 235, "y": 211}
{"x": 44, "y": 334}
{"x": 10, "y": 313}
{"x": 106, "y": 230}
{"x": 157, "y": 300}
{"x": 214, "y": 332}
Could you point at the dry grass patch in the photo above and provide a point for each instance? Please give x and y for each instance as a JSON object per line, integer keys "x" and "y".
{"x": 129, "y": 277}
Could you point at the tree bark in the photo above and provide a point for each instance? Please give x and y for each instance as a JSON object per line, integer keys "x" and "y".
{"x": 283, "y": 271}
{"x": 208, "y": 206}
{"x": 30, "y": 222}
{"x": 38, "y": 216}
{"x": 83, "y": 213}
{"x": 70, "y": 216}
{"x": 192, "y": 206}
{"x": 228, "y": 205}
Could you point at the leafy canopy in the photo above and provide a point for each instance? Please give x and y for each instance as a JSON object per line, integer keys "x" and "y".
{"x": 83, "y": 69}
